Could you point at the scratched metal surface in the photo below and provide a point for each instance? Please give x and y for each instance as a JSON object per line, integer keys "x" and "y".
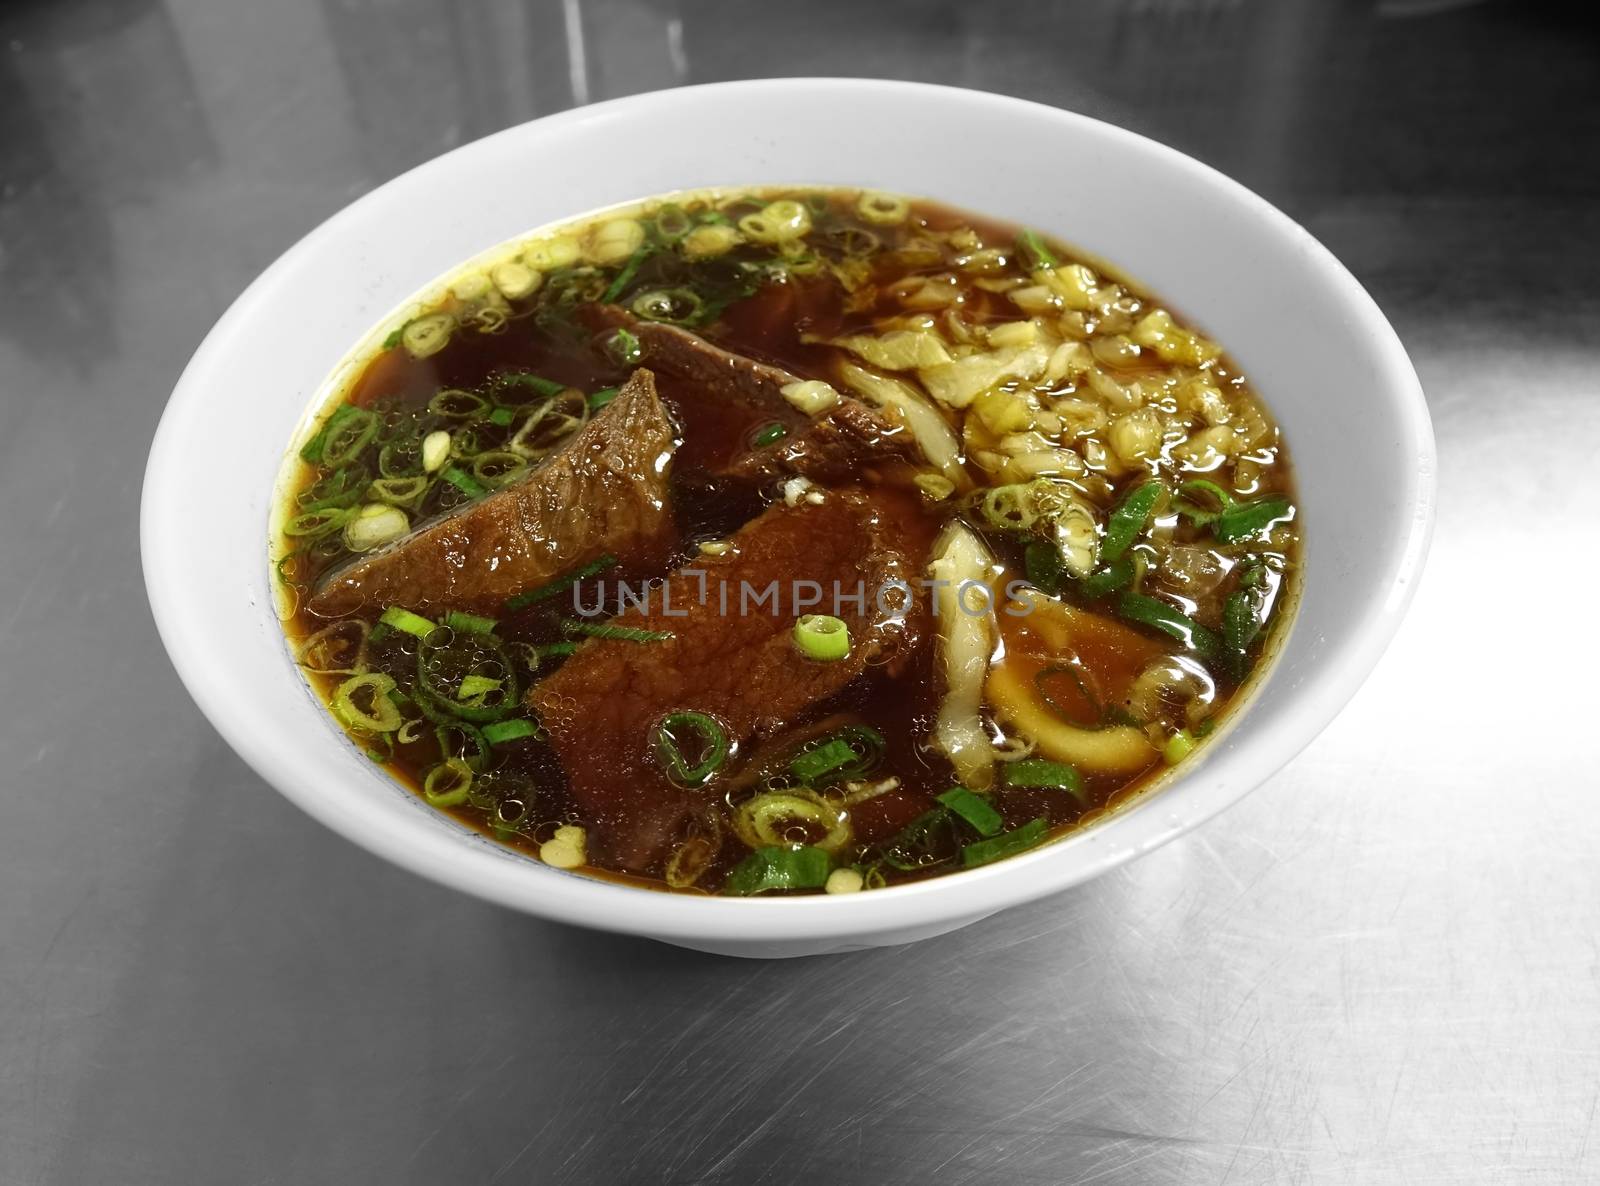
{"x": 1380, "y": 968}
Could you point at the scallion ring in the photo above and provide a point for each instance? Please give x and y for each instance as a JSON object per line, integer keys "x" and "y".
{"x": 691, "y": 746}
{"x": 676, "y": 306}
{"x": 428, "y": 335}
{"x": 455, "y": 404}
{"x": 400, "y": 492}
{"x": 400, "y": 458}
{"x": 380, "y": 715}
{"x": 348, "y": 436}
{"x": 499, "y": 467}
{"x": 447, "y": 784}
{"x": 822, "y": 637}
{"x": 316, "y": 524}
{"x": 338, "y": 647}
{"x": 792, "y": 817}
{"x": 672, "y": 223}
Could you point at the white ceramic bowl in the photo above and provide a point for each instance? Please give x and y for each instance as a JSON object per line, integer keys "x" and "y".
{"x": 1311, "y": 339}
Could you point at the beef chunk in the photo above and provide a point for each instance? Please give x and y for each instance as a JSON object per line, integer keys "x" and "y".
{"x": 605, "y": 492}
{"x": 830, "y": 447}
{"x": 603, "y": 706}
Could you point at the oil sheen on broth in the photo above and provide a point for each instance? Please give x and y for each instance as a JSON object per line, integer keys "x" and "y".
{"x": 519, "y": 548}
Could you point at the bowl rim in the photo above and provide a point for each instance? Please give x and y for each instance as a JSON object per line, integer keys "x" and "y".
{"x": 525, "y": 885}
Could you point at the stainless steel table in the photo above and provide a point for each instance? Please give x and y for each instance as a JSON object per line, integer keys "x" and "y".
{"x": 1380, "y": 968}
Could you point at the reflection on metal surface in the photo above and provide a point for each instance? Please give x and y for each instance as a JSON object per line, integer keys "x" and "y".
{"x": 577, "y": 57}
{"x": 1379, "y": 968}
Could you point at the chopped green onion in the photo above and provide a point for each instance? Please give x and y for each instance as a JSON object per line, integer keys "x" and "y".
{"x": 476, "y": 687}
{"x": 973, "y": 808}
{"x": 1198, "y": 512}
{"x": 316, "y": 524}
{"x": 502, "y": 417}
{"x": 852, "y": 752}
{"x": 400, "y": 492}
{"x": 1240, "y": 621}
{"x": 555, "y": 588}
{"x": 1041, "y": 772}
{"x": 447, "y": 784}
{"x": 287, "y": 568}
{"x": 455, "y": 404}
{"x": 676, "y": 306}
{"x": 465, "y": 676}
{"x": 924, "y": 842}
{"x": 380, "y": 632}
{"x": 1005, "y": 845}
{"x": 341, "y": 488}
{"x": 348, "y": 436}
{"x": 624, "y": 348}
{"x": 617, "y": 633}
{"x": 555, "y": 648}
{"x": 403, "y": 619}
{"x": 869, "y": 747}
{"x": 813, "y": 764}
{"x": 1128, "y": 519}
{"x": 374, "y": 525}
{"x": 1116, "y": 575}
{"x": 499, "y": 467}
{"x": 473, "y": 748}
{"x": 1178, "y": 747}
{"x": 1031, "y": 246}
{"x": 1241, "y": 520}
{"x": 382, "y": 717}
{"x": 712, "y": 746}
{"x": 779, "y": 868}
{"x": 602, "y": 397}
{"x": 771, "y": 435}
{"x": 1158, "y": 615}
{"x": 464, "y": 482}
{"x": 1042, "y": 563}
{"x": 312, "y": 450}
{"x": 823, "y": 637}
{"x": 393, "y": 339}
{"x": 1205, "y": 486}
{"x": 545, "y": 387}
{"x": 471, "y": 623}
{"x": 629, "y": 271}
{"x": 500, "y": 732}
{"x": 672, "y": 222}
{"x": 428, "y": 335}
{"x": 401, "y": 458}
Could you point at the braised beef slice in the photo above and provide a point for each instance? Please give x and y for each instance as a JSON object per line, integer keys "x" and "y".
{"x": 743, "y": 668}
{"x": 829, "y": 447}
{"x": 605, "y": 492}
